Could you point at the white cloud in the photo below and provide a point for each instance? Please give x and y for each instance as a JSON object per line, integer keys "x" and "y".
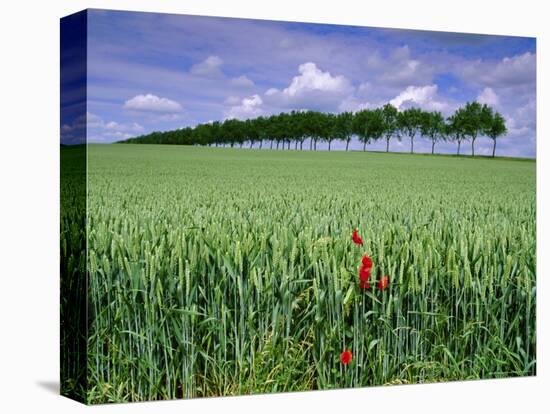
{"x": 242, "y": 81}
{"x": 115, "y": 126}
{"x": 488, "y": 96}
{"x": 353, "y": 104}
{"x": 313, "y": 78}
{"x": 100, "y": 131}
{"x": 399, "y": 68}
{"x": 152, "y": 103}
{"x": 118, "y": 135}
{"x": 364, "y": 87}
{"x": 313, "y": 88}
{"x": 425, "y": 97}
{"x": 92, "y": 120}
{"x": 508, "y": 72}
{"x": 522, "y": 121}
{"x": 89, "y": 120}
{"x": 210, "y": 67}
{"x": 249, "y": 107}
{"x": 232, "y": 100}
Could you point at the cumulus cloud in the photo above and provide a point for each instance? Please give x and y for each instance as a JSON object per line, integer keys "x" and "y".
{"x": 488, "y": 96}
{"x": 354, "y": 104}
{"x": 522, "y": 120}
{"x": 508, "y": 72}
{"x": 118, "y": 127}
{"x": 425, "y": 97}
{"x": 99, "y": 130}
{"x": 313, "y": 78}
{"x": 249, "y": 107}
{"x": 242, "y": 81}
{"x": 400, "y": 69}
{"x": 313, "y": 88}
{"x": 92, "y": 120}
{"x": 210, "y": 67}
{"x": 152, "y": 103}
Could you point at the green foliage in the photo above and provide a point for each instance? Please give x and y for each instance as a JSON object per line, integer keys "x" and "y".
{"x": 432, "y": 126}
{"x": 494, "y": 126}
{"x": 391, "y": 124}
{"x": 227, "y": 271}
{"x": 410, "y": 121}
{"x": 367, "y": 125}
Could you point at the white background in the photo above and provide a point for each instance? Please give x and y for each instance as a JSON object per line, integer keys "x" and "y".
{"x": 29, "y": 207}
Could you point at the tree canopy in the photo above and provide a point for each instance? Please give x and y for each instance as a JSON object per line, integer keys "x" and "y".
{"x": 367, "y": 125}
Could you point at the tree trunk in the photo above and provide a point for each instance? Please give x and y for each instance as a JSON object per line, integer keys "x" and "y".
{"x": 329, "y": 145}
{"x": 494, "y": 147}
{"x": 301, "y": 144}
{"x": 412, "y": 145}
{"x": 289, "y": 144}
{"x": 296, "y": 145}
{"x": 310, "y": 144}
{"x": 261, "y": 143}
{"x": 347, "y": 144}
{"x": 473, "y": 141}
{"x": 365, "y": 146}
{"x": 277, "y": 144}
{"x": 232, "y": 144}
{"x": 433, "y": 147}
{"x": 315, "y": 145}
{"x": 251, "y": 143}
{"x": 458, "y": 150}
{"x": 388, "y": 144}
{"x": 271, "y": 146}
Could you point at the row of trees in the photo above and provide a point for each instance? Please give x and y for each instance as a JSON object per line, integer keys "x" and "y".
{"x": 368, "y": 125}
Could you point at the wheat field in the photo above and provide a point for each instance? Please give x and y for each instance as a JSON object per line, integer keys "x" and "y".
{"x": 217, "y": 271}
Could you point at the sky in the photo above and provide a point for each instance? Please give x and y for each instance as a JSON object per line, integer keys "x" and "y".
{"x": 154, "y": 72}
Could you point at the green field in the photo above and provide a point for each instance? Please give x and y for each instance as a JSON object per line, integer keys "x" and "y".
{"x": 232, "y": 271}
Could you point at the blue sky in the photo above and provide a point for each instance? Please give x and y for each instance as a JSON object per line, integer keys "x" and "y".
{"x": 150, "y": 72}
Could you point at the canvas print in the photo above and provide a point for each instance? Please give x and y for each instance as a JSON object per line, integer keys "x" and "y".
{"x": 253, "y": 206}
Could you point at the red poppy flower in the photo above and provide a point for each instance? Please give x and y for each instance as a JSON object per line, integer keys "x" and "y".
{"x": 364, "y": 274}
{"x": 364, "y": 284}
{"x": 366, "y": 262}
{"x": 383, "y": 283}
{"x": 356, "y": 239}
{"x": 346, "y": 357}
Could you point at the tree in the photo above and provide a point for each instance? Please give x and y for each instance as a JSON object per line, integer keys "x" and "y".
{"x": 260, "y": 126}
{"x": 368, "y": 125}
{"x": 390, "y": 118}
{"x": 410, "y": 122}
{"x": 233, "y": 132}
{"x": 314, "y": 127}
{"x": 215, "y": 132}
{"x": 344, "y": 127}
{"x": 468, "y": 122}
{"x": 455, "y": 129}
{"x": 359, "y": 126}
{"x": 374, "y": 128}
{"x": 251, "y": 131}
{"x": 474, "y": 117}
{"x": 494, "y": 128}
{"x": 433, "y": 127}
{"x": 329, "y": 128}
{"x": 276, "y": 129}
{"x": 300, "y": 127}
